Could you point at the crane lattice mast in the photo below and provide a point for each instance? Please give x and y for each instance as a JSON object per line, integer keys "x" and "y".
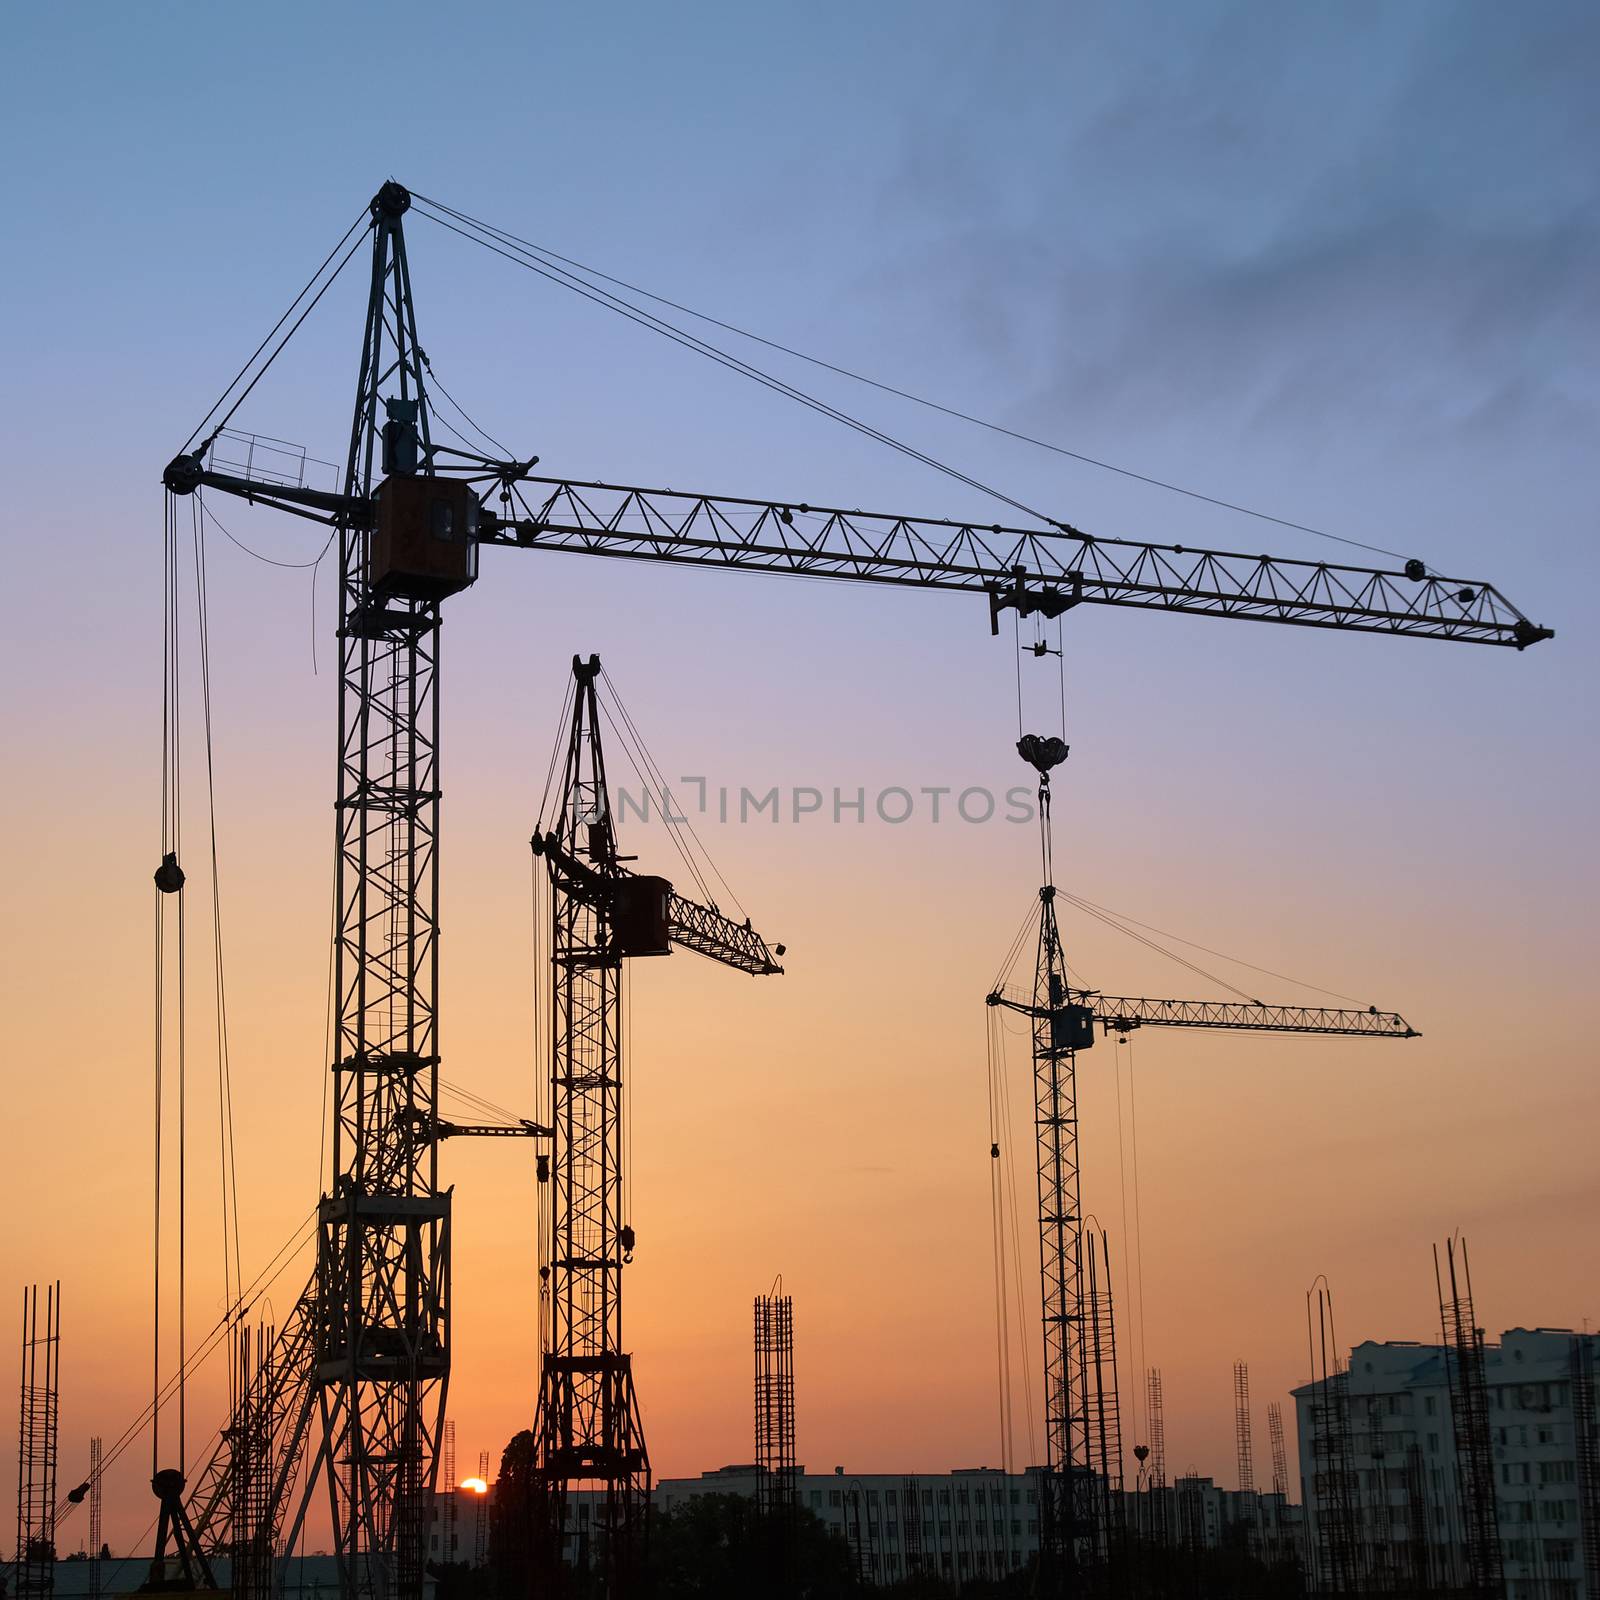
{"x": 1074, "y": 1530}
{"x": 410, "y": 518}
{"x": 588, "y": 1428}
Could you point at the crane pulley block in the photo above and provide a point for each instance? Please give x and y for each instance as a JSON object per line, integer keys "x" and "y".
{"x": 425, "y": 538}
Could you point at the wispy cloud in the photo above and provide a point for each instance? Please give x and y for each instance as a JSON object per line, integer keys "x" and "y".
{"x": 1205, "y": 242}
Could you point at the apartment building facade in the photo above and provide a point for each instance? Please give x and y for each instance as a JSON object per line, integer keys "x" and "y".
{"x": 1395, "y": 1506}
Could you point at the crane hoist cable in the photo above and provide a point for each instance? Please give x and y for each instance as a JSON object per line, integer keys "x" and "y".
{"x": 1002, "y": 1330}
{"x": 1018, "y": 1276}
{"x": 553, "y": 256}
{"x": 228, "y": 1167}
{"x": 169, "y": 884}
{"x": 1006, "y": 1240}
{"x": 171, "y": 977}
{"x": 1132, "y": 1239}
{"x": 1138, "y": 1210}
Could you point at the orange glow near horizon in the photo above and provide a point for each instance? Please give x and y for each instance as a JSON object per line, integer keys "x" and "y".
{"x": 476, "y": 1485}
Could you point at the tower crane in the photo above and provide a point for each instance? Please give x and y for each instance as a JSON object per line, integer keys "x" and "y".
{"x": 603, "y": 913}
{"x": 269, "y": 1435}
{"x": 1062, "y": 1020}
{"x": 410, "y": 517}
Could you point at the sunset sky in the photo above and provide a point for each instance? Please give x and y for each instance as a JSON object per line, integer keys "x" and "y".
{"x": 1334, "y": 263}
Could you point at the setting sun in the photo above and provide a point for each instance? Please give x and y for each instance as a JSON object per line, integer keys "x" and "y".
{"x": 476, "y": 1485}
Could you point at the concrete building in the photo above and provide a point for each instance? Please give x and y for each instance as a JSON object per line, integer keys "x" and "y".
{"x": 1198, "y": 1513}
{"x": 973, "y": 1522}
{"x": 1403, "y": 1489}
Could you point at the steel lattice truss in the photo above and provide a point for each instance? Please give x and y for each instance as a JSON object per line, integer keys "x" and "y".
{"x": 254, "y": 1459}
{"x": 707, "y": 932}
{"x": 1465, "y": 1369}
{"x": 1103, "y": 1391}
{"x": 774, "y": 1397}
{"x": 1070, "y": 1503}
{"x": 1079, "y": 1342}
{"x": 588, "y": 1426}
{"x": 1122, "y": 1014}
{"x": 1049, "y": 570}
{"x": 1586, "y": 1438}
{"x": 38, "y": 1426}
{"x": 1244, "y": 1448}
{"x": 383, "y": 1253}
{"x": 275, "y": 1408}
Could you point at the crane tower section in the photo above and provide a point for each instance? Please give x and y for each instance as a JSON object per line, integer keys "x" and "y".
{"x": 588, "y": 1428}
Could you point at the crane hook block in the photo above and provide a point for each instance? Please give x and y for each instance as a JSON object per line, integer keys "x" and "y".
{"x": 169, "y": 875}
{"x": 1042, "y": 751}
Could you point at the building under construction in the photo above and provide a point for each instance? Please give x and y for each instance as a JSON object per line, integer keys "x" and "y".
{"x": 1408, "y": 1516}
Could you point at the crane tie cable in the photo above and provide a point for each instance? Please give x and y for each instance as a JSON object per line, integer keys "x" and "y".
{"x": 552, "y": 256}
{"x": 699, "y": 346}
{"x": 360, "y": 220}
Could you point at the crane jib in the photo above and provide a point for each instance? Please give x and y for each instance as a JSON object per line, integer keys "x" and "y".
{"x": 1045, "y": 569}
{"x": 1029, "y": 570}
